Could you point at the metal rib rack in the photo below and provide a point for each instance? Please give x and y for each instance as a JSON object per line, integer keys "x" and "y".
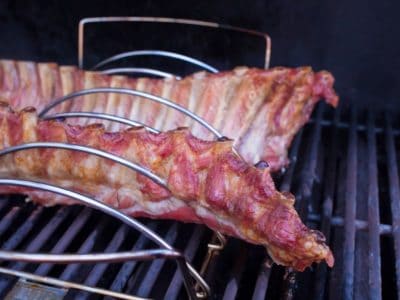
{"x": 343, "y": 172}
{"x": 195, "y": 289}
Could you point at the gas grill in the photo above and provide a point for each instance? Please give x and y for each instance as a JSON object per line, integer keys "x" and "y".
{"x": 343, "y": 173}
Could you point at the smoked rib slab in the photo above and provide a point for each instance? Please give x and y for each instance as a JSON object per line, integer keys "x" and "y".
{"x": 261, "y": 110}
{"x": 207, "y": 182}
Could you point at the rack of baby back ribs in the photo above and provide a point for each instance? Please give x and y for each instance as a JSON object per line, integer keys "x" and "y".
{"x": 197, "y": 149}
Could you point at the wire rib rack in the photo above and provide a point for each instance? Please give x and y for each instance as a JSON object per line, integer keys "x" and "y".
{"x": 195, "y": 285}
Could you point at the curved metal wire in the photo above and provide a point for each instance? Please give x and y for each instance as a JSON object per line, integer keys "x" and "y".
{"x": 67, "y": 284}
{"x": 140, "y": 71}
{"x": 92, "y": 20}
{"x": 186, "y": 269}
{"x": 144, "y": 95}
{"x": 133, "y": 166}
{"x": 115, "y": 257}
{"x": 102, "y": 116}
{"x": 162, "y": 53}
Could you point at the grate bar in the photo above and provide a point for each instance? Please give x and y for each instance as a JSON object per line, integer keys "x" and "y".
{"x": 288, "y": 177}
{"x": 98, "y": 270}
{"x": 86, "y": 247}
{"x": 9, "y": 218}
{"x": 4, "y": 201}
{"x": 128, "y": 267}
{"x": 375, "y": 279}
{"x": 327, "y": 208}
{"x": 384, "y": 229}
{"x": 346, "y": 125}
{"x": 66, "y": 239}
{"x": 232, "y": 286}
{"x": 261, "y": 286}
{"x": 350, "y": 210}
{"x": 23, "y": 231}
{"x": 394, "y": 191}
{"x": 38, "y": 241}
{"x": 309, "y": 175}
{"x": 190, "y": 251}
{"x": 147, "y": 284}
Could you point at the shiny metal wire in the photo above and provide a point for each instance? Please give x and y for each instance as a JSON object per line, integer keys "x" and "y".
{"x": 94, "y": 20}
{"x": 200, "y": 289}
{"x": 101, "y": 116}
{"x": 146, "y": 71}
{"x": 186, "y": 269}
{"x": 67, "y": 284}
{"x": 133, "y": 166}
{"x": 144, "y": 95}
{"x": 167, "y": 54}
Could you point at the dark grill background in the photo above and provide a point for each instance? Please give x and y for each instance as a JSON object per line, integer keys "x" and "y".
{"x": 344, "y": 162}
{"x": 357, "y": 41}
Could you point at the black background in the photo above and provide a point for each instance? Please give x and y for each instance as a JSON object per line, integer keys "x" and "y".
{"x": 358, "y": 41}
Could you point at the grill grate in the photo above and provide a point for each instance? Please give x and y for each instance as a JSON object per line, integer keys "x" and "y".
{"x": 345, "y": 180}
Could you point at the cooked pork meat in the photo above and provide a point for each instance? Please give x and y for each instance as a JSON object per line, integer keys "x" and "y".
{"x": 206, "y": 181}
{"x": 261, "y": 110}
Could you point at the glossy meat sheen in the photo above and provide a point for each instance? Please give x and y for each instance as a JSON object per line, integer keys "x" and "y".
{"x": 261, "y": 110}
{"x": 207, "y": 182}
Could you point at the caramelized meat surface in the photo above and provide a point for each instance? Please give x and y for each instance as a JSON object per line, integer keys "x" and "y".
{"x": 261, "y": 110}
{"x": 207, "y": 182}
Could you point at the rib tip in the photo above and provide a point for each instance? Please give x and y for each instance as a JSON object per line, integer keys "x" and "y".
{"x": 330, "y": 260}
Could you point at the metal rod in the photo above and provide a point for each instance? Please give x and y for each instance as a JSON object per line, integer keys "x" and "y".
{"x": 346, "y": 125}
{"x": 337, "y": 221}
{"x": 128, "y": 267}
{"x": 261, "y": 285}
{"x": 117, "y": 214}
{"x": 293, "y": 154}
{"x": 101, "y": 116}
{"x": 39, "y": 239}
{"x": 92, "y": 20}
{"x": 132, "y": 93}
{"x": 191, "y": 248}
{"x": 88, "y": 245}
{"x": 168, "y": 54}
{"x": 140, "y": 71}
{"x": 328, "y": 200}
{"x": 99, "y": 270}
{"x": 148, "y": 254}
{"x": 350, "y": 210}
{"x": 235, "y": 274}
{"x": 66, "y": 238}
{"x": 374, "y": 265}
{"x": 24, "y": 230}
{"x": 151, "y": 272}
{"x": 394, "y": 192}
{"x": 133, "y": 166}
{"x": 66, "y": 284}
{"x": 90, "y": 202}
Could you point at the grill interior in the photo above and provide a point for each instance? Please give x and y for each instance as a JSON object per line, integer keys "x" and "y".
{"x": 344, "y": 174}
